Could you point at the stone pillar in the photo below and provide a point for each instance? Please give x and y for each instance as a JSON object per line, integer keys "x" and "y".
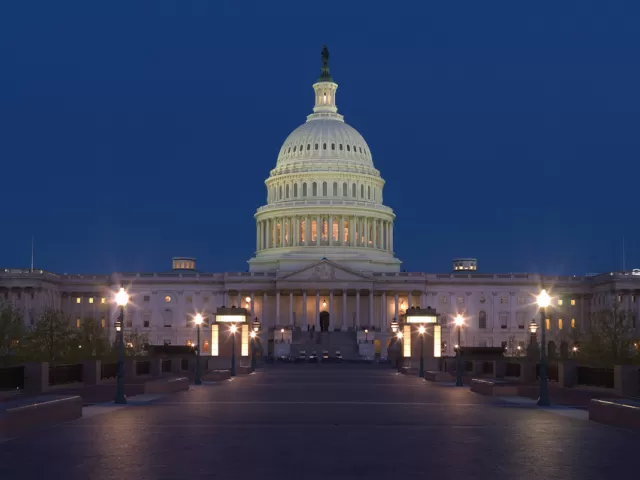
{"x": 264, "y": 311}
{"x": 396, "y": 307}
{"x": 357, "y": 309}
{"x": 304, "y": 309}
{"x": 625, "y": 380}
{"x": 345, "y": 325}
{"x": 527, "y": 372}
{"x": 253, "y": 306}
{"x": 291, "y": 309}
{"x": 371, "y": 324}
{"x": 317, "y": 324}
{"x": 567, "y": 374}
{"x": 318, "y": 230}
{"x": 36, "y": 377}
{"x": 499, "y": 368}
{"x": 91, "y": 372}
{"x": 366, "y": 232}
{"x": 331, "y": 310}
{"x": 375, "y": 233}
{"x": 383, "y": 311}
{"x": 155, "y": 367}
{"x": 409, "y": 299}
{"x": 330, "y": 231}
{"x": 277, "y": 322}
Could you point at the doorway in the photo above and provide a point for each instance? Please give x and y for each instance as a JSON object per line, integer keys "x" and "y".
{"x": 324, "y": 321}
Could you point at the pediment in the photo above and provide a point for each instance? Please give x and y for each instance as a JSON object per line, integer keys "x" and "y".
{"x": 326, "y": 271}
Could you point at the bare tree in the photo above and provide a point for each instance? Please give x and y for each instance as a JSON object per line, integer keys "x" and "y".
{"x": 11, "y": 331}
{"x": 52, "y": 338}
{"x": 136, "y": 343}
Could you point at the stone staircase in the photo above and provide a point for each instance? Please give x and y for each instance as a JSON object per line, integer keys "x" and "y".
{"x": 344, "y": 342}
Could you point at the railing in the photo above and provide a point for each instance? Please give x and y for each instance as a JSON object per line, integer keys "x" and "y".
{"x": 143, "y": 367}
{"x": 468, "y": 366}
{"x": 166, "y": 366}
{"x": 552, "y": 372}
{"x": 12, "y": 378}
{"x": 595, "y": 377}
{"x": 487, "y": 367}
{"x": 108, "y": 370}
{"x": 512, "y": 370}
{"x": 184, "y": 363}
{"x": 63, "y": 374}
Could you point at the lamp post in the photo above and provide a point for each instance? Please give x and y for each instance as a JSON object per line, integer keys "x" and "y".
{"x": 233, "y": 329}
{"x": 198, "y": 321}
{"x": 254, "y": 334}
{"x": 421, "y": 331}
{"x": 366, "y": 335}
{"x": 122, "y": 298}
{"x": 282, "y": 335}
{"x": 399, "y": 362}
{"x": 543, "y": 301}
{"x": 459, "y": 321}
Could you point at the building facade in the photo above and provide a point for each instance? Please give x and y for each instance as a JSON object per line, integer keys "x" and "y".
{"x": 324, "y": 259}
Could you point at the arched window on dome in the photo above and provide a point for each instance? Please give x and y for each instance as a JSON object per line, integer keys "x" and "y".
{"x": 295, "y": 190}
{"x": 314, "y": 189}
{"x": 286, "y": 191}
{"x": 340, "y": 146}
{"x": 353, "y": 190}
{"x": 324, "y": 189}
{"x": 301, "y": 148}
{"x": 335, "y": 189}
{"x": 362, "y": 192}
{"x": 354, "y": 149}
{"x": 294, "y": 149}
{"x": 308, "y": 147}
{"x": 360, "y": 148}
{"x": 333, "y": 146}
{"x": 304, "y": 189}
{"x": 348, "y": 148}
{"x": 345, "y": 189}
{"x": 324, "y": 146}
{"x": 280, "y": 192}
{"x": 368, "y": 193}
{"x": 316, "y": 147}
{"x": 289, "y": 150}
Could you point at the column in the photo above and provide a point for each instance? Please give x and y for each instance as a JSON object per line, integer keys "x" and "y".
{"x": 318, "y": 230}
{"x": 330, "y": 310}
{"x": 253, "y": 306}
{"x": 257, "y": 235}
{"x": 371, "y": 324}
{"x": 352, "y": 231}
{"x": 375, "y": 233}
{"x": 307, "y": 230}
{"x": 296, "y": 231}
{"x": 264, "y": 310}
{"x": 239, "y": 299}
{"x": 410, "y": 299}
{"x": 317, "y": 309}
{"x": 345, "y": 327}
{"x": 340, "y": 230}
{"x": 330, "y": 235}
{"x": 383, "y": 311}
{"x": 357, "y": 308}
{"x": 391, "y": 235}
{"x": 396, "y": 307}
{"x": 366, "y": 232}
{"x": 277, "y": 322}
{"x": 423, "y": 299}
{"x": 281, "y": 231}
{"x": 291, "y": 309}
{"x": 304, "y": 308}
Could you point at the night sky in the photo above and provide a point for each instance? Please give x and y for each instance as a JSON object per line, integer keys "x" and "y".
{"x": 131, "y": 132}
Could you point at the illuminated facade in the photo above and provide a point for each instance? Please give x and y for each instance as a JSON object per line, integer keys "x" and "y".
{"x": 324, "y": 259}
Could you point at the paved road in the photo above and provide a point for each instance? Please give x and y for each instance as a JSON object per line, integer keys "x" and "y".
{"x": 323, "y": 422}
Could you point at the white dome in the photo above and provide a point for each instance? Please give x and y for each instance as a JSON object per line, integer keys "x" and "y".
{"x": 325, "y": 139}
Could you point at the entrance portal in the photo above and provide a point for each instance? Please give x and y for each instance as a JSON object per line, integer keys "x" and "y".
{"x": 324, "y": 321}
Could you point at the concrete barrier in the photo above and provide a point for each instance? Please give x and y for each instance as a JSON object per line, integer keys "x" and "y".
{"x": 167, "y": 385}
{"x": 494, "y": 388}
{"x": 244, "y": 370}
{"x": 437, "y": 376}
{"x": 21, "y": 416}
{"x": 217, "y": 375}
{"x": 618, "y": 413}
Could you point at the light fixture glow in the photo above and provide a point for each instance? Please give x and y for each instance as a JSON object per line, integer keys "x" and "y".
{"x": 198, "y": 319}
{"x": 459, "y": 320}
{"x": 543, "y": 299}
{"x": 282, "y": 330}
{"x": 421, "y": 329}
{"x": 399, "y": 335}
{"x": 122, "y": 297}
{"x": 247, "y": 299}
{"x": 233, "y": 329}
{"x": 252, "y": 334}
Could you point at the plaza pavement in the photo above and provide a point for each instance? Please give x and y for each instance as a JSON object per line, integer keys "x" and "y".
{"x": 323, "y": 422}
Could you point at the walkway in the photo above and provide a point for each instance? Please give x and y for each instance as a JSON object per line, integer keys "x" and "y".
{"x": 323, "y": 422}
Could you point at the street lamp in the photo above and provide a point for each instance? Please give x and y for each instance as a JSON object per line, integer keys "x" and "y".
{"x": 122, "y": 298}
{"x": 233, "y": 330}
{"x": 366, "y": 335}
{"x": 198, "y": 321}
{"x": 254, "y": 334}
{"x": 459, "y": 321}
{"x": 421, "y": 331}
{"x": 394, "y": 325}
{"x": 282, "y": 335}
{"x": 543, "y": 301}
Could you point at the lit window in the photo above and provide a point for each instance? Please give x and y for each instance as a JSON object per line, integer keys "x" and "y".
{"x": 560, "y": 302}
{"x": 460, "y": 300}
{"x": 167, "y": 299}
{"x": 78, "y": 300}
{"x": 189, "y": 299}
{"x": 548, "y": 323}
{"x": 77, "y": 323}
{"x": 573, "y": 323}
{"x": 206, "y": 299}
{"x": 559, "y": 324}
{"x": 573, "y": 302}
{"x": 103, "y": 300}
{"x": 443, "y": 299}
{"x": 90, "y": 299}
{"x": 205, "y": 346}
{"x": 504, "y": 300}
{"x": 102, "y": 323}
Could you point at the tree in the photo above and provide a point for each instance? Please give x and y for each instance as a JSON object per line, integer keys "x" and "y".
{"x": 52, "y": 338}
{"x": 11, "y": 331}
{"x": 610, "y": 339}
{"x": 92, "y": 340}
{"x": 136, "y": 343}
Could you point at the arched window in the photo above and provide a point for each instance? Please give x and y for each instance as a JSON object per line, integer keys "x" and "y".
{"x": 360, "y": 148}
{"x": 289, "y": 151}
{"x": 308, "y": 146}
{"x": 482, "y": 319}
{"x": 295, "y": 190}
{"x": 368, "y": 193}
{"x": 280, "y": 192}
{"x": 324, "y": 146}
{"x": 324, "y": 189}
{"x": 345, "y": 189}
{"x": 335, "y": 189}
{"x": 333, "y": 146}
{"x": 348, "y": 148}
{"x": 314, "y": 189}
{"x": 316, "y": 147}
{"x": 294, "y": 149}
{"x": 340, "y": 146}
{"x": 286, "y": 191}
{"x": 353, "y": 190}
{"x": 361, "y": 191}
{"x": 304, "y": 189}
{"x": 301, "y": 148}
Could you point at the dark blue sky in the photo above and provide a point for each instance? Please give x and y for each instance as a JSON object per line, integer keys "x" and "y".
{"x": 131, "y": 132}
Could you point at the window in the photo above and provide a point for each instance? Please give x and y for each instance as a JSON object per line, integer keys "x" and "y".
{"x": 335, "y": 189}
{"x": 102, "y": 322}
{"x": 361, "y": 191}
{"x": 308, "y": 147}
{"x": 78, "y": 299}
{"x": 205, "y": 299}
{"x": 286, "y": 191}
{"x": 348, "y": 148}
{"x": 504, "y": 300}
{"x": 295, "y": 190}
{"x": 103, "y": 300}
{"x": 460, "y": 300}
{"x": 482, "y": 320}
{"x": 324, "y": 189}
{"x": 166, "y": 341}
{"x": 316, "y": 146}
{"x": 559, "y": 324}
{"x": 90, "y": 299}
{"x": 188, "y": 320}
{"x": 620, "y": 298}
{"x": 548, "y": 324}
{"x": 314, "y": 230}
{"x": 314, "y": 188}
{"x": 304, "y": 189}
{"x": 573, "y": 302}
{"x": 504, "y": 320}
{"x": 205, "y": 345}
{"x": 520, "y": 316}
{"x": 369, "y": 193}
{"x": 189, "y": 299}
{"x": 280, "y": 192}
{"x": 573, "y": 323}
{"x": 346, "y": 231}
{"x": 560, "y": 302}
{"x": 503, "y": 345}
{"x": 333, "y": 146}
{"x": 77, "y": 323}
{"x": 146, "y": 298}
{"x": 344, "y": 190}
{"x": 324, "y": 146}
{"x": 443, "y": 299}
{"x": 340, "y": 146}
{"x": 167, "y": 299}
{"x": 146, "y": 320}
{"x": 294, "y": 149}
{"x": 353, "y": 190}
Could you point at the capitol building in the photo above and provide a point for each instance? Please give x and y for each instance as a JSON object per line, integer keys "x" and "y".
{"x": 324, "y": 261}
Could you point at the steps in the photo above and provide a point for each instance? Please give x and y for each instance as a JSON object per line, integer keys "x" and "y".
{"x": 344, "y": 342}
